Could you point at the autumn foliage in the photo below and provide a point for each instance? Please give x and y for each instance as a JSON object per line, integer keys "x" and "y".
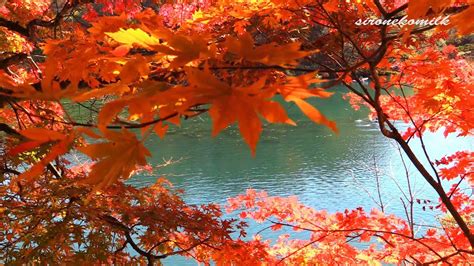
{"x": 141, "y": 67}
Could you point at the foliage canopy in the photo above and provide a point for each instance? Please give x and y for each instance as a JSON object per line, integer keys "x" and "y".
{"x": 143, "y": 66}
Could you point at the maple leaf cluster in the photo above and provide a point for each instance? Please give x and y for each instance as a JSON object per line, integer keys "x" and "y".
{"x": 140, "y": 67}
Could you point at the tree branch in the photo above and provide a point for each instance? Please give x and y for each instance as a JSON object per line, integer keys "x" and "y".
{"x": 14, "y": 26}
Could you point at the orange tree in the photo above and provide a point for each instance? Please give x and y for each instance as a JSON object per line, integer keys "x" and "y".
{"x": 142, "y": 66}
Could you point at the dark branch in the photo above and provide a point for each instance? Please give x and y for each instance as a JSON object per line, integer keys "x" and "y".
{"x": 14, "y": 26}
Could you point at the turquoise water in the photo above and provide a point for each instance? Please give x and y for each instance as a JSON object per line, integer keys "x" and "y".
{"x": 326, "y": 171}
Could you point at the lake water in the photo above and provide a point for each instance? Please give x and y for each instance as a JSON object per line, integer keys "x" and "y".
{"x": 326, "y": 171}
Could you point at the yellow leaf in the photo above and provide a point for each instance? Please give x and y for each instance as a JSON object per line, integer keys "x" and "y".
{"x": 134, "y": 36}
{"x": 199, "y": 16}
